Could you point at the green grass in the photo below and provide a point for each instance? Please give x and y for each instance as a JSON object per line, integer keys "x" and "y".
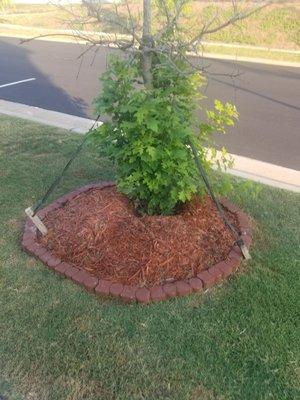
{"x": 275, "y": 26}
{"x": 236, "y": 341}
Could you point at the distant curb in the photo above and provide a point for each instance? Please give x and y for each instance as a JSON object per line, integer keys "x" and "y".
{"x": 244, "y": 167}
{"x": 24, "y": 32}
{"x": 255, "y": 60}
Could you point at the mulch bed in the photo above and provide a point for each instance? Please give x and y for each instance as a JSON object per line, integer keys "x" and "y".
{"x": 100, "y": 232}
{"x": 98, "y": 240}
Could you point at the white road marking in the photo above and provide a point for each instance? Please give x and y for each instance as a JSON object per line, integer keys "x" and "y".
{"x": 17, "y": 82}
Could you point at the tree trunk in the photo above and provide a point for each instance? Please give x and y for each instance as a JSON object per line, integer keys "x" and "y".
{"x": 147, "y": 42}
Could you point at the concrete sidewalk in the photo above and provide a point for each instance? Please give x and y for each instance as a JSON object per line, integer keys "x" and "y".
{"x": 258, "y": 171}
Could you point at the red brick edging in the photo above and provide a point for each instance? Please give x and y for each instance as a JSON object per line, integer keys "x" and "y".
{"x": 103, "y": 287}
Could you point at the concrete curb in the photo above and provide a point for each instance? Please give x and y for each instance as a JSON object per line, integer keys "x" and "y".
{"x": 255, "y": 60}
{"x": 47, "y": 117}
{"x": 266, "y": 173}
{"x": 248, "y": 168}
{"x": 250, "y": 47}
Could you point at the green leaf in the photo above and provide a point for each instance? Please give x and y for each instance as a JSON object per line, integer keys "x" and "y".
{"x": 152, "y": 124}
{"x": 148, "y": 132}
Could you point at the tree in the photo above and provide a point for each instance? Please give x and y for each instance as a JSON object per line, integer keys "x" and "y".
{"x": 153, "y": 136}
{"x": 151, "y": 96}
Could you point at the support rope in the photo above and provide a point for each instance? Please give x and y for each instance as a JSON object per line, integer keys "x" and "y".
{"x": 57, "y": 180}
{"x": 238, "y": 240}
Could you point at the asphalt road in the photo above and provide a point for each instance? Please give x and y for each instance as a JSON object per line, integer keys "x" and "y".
{"x": 266, "y": 96}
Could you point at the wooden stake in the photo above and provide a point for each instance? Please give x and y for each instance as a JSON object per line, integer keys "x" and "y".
{"x": 37, "y": 222}
{"x": 245, "y": 251}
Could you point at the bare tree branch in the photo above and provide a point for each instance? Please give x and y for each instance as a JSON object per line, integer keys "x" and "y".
{"x": 172, "y": 40}
{"x": 172, "y": 21}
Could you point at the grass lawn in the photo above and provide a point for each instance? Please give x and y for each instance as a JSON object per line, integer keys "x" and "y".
{"x": 236, "y": 341}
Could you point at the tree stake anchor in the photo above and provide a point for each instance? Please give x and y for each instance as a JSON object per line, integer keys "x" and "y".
{"x": 244, "y": 249}
{"x": 36, "y": 221}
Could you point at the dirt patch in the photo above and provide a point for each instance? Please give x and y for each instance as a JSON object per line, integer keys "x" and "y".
{"x": 99, "y": 231}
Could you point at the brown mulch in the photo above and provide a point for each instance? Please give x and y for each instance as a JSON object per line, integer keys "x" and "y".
{"x": 100, "y": 232}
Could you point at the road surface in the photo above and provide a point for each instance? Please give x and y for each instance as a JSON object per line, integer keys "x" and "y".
{"x": 266, "y": 96}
